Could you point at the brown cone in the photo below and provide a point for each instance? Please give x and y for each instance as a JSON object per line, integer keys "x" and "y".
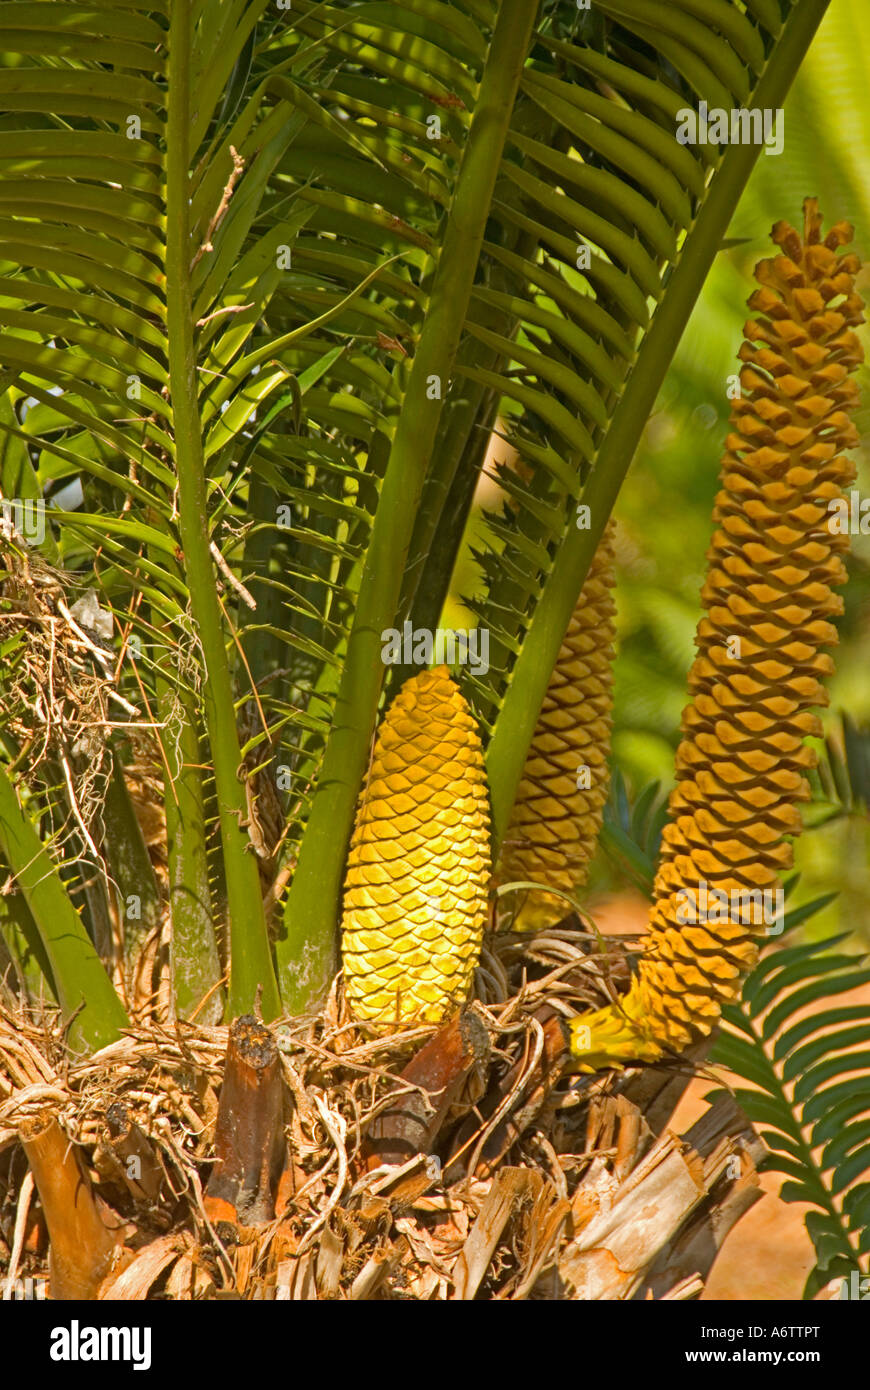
{"x": 555, "y": 823}
{"x": 774, "y": 560}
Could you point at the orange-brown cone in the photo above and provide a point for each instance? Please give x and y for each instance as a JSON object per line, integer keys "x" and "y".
{"x": 773, "y": 564}
{"x": 556, "y": 819}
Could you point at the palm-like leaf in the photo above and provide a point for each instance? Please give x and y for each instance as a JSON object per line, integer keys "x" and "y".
{"x": 631, "y": 834}
{"x": 810, "y": 1073}
{"x": 842, "y": 782}
{"x": 133, "y": 229}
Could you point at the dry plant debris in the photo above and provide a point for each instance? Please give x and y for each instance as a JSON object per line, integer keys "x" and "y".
{"x": 523, "y": 1184}
{"x": 59, "y": 695}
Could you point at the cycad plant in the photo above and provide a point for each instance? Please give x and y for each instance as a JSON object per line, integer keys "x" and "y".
{"x": 270, "y": 276}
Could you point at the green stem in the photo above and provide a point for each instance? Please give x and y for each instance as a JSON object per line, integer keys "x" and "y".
{"x": 130, "y": 865}
{"x": 449, "y": 527}
{"x": 194, "y": 961}
{"x": 251, "y": 964}
{"x": 80, "y": 980}
{"x": 463, "y": 440}
{"x": 307, "y": 952}
{"x": 263, "y": 554}
{"x": 20, "y": 937}
{"x": 424, "y": 586}
{"x": 519, "y": 712}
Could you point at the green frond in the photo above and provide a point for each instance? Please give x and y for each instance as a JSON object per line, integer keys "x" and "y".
{"x": 809, "y": 1070}
{"x": 631, "y": 834}
{"x": 604, "y": 175}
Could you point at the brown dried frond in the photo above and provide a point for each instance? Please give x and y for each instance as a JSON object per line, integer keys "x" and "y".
{"x": 338, "y": 1080}
{"x": 59, "y": 697}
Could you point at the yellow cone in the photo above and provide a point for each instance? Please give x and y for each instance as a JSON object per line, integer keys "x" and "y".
{"x": 419, "y": 867}
{"x": 772, "y": 565}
